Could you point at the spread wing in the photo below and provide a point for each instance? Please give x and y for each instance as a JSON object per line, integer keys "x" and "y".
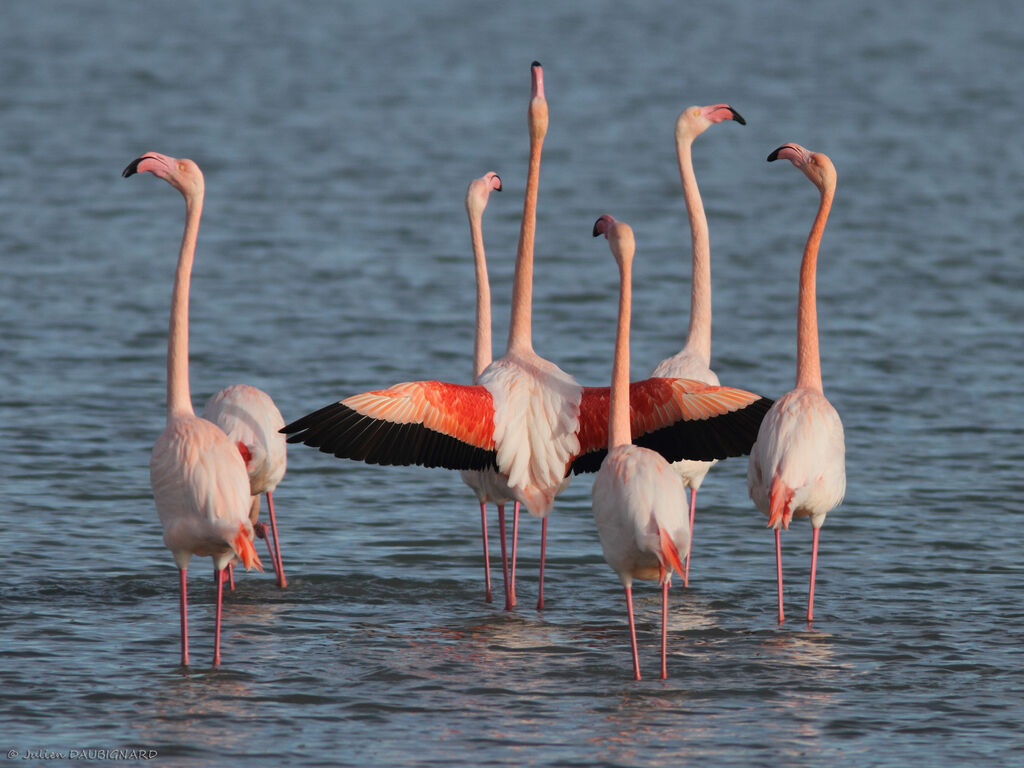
{"x": 678, "y": 418}
{"x": 430, "y": 423}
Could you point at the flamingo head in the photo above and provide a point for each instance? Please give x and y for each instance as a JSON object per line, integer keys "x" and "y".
{"x": 538, "y": 112}
{"x": 619, "y": 235}
{"x": 182, "y": 174}
{"x": 816, "y": 166}
{"x": 479, "y": 191}
{"x": 693, "y": 121}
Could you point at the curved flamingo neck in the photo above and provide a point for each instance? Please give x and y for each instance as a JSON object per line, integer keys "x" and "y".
{"x": 808, "y": 358}
{"x": 618, "y": 408}
{"x": 179, "y": 398}
{"x": 482, "y": 353}
{"x": 520, "y": 332}
{"x": 698, "y": 338}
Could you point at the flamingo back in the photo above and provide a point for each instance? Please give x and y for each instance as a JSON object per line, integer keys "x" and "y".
{"x": 201, "y": 490}
{"x": 800, "y": 450}
{"x": 249, "y": 416}
{"x": 639, "y": 506}
{"x": 536, "y": 421}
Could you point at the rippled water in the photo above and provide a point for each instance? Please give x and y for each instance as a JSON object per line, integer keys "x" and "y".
{"x": 337, "y": 141}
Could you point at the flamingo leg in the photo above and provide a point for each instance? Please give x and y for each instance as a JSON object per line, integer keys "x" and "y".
{"x": 814, "y": 568}
{"x": 276, "y": 554}
{"x": 632, "y": 632}
{"x": 543, "y": 549}
{"x": 664, "y": 630}
{"x": 778, "y": 570}
{"x": 216, "y": 631}
{"x": 230, "y": 575}
{"x": 183, "y": 580}
{"x": 515, "y": 547}
{"x": 693, "y": 514}
{"x": 488, "y": 596}
{"x": 510, "y": 600}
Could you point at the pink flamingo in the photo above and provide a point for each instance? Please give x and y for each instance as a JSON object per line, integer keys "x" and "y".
{"x": 694, "y": 361}
{"x": 488, "y": 485}
{"x": 797, "y": 466}
{"x": 525, "y": 416}
{"x": 638, "y": 499}
{"x": 198, "y": 476}
{"x": 253, "y": 422}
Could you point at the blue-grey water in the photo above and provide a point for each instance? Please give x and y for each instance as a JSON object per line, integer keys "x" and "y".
{"x": 337, "y": 141}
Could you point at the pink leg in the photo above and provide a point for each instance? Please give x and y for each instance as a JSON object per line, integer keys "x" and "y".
{"x": 510, "y": 600}
{"x": 693, "y": 511}
{"x": 487, "y": 554}
{"x": 216, "y": 631}
{"x": 814, "y": 567}
{"x": 632, "y": 633}
{"x": 183, "y": 579}
{"x": 664, "y": 630}
{"x": 515, "y": 548}
{"x": 778, "y": 570}
{"x": 276, "y": 555}
{"x": 543, "y": 550}
{"x": 270, "y": 551}
{"x": 230, "y": 575}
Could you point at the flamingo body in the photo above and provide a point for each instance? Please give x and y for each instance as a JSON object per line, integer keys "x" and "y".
{"x": 797, "y": 465}
{"x": 201, "y": 491}
{"x": 249, "y": 416}
{"x": 638, "y": 500}
{"x": 536, "y": 409}
{"x": 252, "y": 421}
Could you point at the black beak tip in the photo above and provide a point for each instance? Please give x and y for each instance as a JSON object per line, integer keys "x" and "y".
{"x": 738, "y": 117}
{"x": 774, "y": 155}
{"x": 597, "y": 232}
{"x": 535, "y": 64}
{"x": 132, "y": 168}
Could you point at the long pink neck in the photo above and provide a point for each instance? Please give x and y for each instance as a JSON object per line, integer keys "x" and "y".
{"x": 179, "y": 399}
{"x": 618, "y": 407}
{"x": 808, "y": 358}
{"x": 482, "y": 344}
{"x": 520, "y": 332}
{"x": 698, "y": 339}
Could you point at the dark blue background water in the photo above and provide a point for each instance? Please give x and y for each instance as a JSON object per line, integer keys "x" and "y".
{"x": 337, "y": 140}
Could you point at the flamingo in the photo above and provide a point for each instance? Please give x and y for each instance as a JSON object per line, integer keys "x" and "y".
{"x": 638, "y": 498}
{"x": 524, "y": 416}
{"x": 488, "y": 485}
{"x": 694, "y": 361}
{"x": 252, "y": 422}
{"x": 797, "y": 467}
{"x": 199, "y": 479}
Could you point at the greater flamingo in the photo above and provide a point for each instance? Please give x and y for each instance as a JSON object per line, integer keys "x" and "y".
{"x": 488, "y": 485}
{"x": 797, "y": 466}
{"x": 525, "y": 416}
{"x": 694, "y": 361}
{"x": 253, "y": 422}
{"x": 638, "y": 499}
{"x": 198, "y": 476}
